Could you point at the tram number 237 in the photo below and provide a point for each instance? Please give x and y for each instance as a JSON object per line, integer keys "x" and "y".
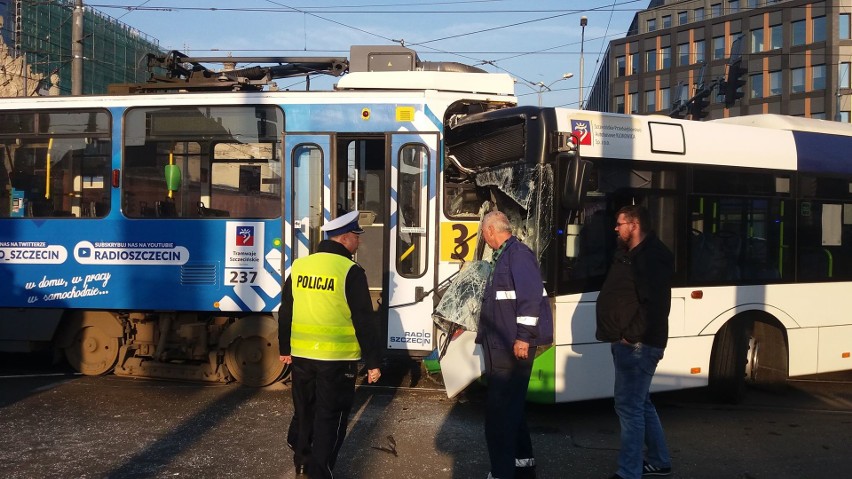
{"x": 458, "y": 240}
{"x": 236, "y": 276}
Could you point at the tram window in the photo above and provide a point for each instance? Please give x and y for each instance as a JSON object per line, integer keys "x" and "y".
{"x": 413, "y": 199}
{"x": 228, "y": 158}
{"x": 461, "y": 201}
{"x": 55, "y": 164}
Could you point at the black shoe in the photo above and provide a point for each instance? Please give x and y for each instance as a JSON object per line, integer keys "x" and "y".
{"x": 300, "y": 470}
{"x": 649, "y": 470}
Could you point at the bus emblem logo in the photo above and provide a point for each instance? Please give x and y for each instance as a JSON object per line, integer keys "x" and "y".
{"x": 583, "y": 130}
{"x": 245, "y": 236}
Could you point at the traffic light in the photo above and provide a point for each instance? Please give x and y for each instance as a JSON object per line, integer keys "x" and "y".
{"x": 734, "y": 82}
{"x": 699, "y": 103}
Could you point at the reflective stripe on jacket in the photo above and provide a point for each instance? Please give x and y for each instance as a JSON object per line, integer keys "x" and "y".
{"x": 515, "y": 304}
{"x": 322, "y": 321}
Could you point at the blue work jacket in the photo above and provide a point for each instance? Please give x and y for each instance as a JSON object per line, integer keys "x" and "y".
{"x": 515, "y": 305}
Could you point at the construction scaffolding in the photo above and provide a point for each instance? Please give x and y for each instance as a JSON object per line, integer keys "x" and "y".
{"x": 40, "y": 32}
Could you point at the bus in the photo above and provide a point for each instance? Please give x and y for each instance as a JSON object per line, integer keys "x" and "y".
{"x": 148, "y": 232}
{"x": 757, "y": 211}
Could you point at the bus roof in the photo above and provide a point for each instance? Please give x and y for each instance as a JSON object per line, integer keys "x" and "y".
{"x": 791, "y": 123}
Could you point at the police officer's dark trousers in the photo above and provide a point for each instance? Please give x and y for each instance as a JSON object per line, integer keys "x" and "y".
{"x": 323, "y": 392}
{"x": 506, "y": 433}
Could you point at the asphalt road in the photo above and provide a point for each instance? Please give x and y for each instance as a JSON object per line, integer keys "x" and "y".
{"x": 58, "y": 425}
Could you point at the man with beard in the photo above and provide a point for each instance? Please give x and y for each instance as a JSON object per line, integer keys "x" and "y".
{"x": 632, "y": 315}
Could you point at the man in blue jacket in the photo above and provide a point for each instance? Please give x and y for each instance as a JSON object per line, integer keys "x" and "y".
{"x": 515, "y": 318}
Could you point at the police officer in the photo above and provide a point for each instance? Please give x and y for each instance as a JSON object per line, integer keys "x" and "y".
{"x": 326, "y": 325}
{"x": 515, "y": 318}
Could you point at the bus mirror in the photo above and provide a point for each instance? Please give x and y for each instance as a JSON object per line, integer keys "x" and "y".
{"x": 172, "y": 177}
{"x": 576, "y": 183}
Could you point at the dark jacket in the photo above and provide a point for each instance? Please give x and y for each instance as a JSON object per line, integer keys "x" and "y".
{"x": 361, "y": 306}
{"x": 635, "y": 299}
{"x": 515, "y": 305}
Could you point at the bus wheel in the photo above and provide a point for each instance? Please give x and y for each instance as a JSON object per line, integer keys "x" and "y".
{"x": 748, "y": 351}
{"x": 92, "y": 351}
{"x": 728, "y": 361}
{"x": 767, "y": 365}
{"x": 252, "y": 353}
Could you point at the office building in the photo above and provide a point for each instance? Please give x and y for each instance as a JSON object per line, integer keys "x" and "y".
{"x": 796, "y": 57}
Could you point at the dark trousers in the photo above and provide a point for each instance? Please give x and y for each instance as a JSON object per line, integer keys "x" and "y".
{"x": 506, "y": 433}
{"x": 323, "y": 392}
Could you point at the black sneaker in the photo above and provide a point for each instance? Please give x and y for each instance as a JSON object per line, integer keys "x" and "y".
{"x": 649, "y": 470}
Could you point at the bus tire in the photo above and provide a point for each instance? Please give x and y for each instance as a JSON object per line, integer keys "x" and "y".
{"x": 767, "y": 362}
{"x": 728, "y": 361}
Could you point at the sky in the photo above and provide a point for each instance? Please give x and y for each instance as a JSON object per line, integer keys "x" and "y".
{"x": 537, "y": 42}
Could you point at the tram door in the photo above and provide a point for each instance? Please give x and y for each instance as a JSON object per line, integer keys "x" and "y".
{"x": 307, "y": 186}
{"x": 411, "y": 241}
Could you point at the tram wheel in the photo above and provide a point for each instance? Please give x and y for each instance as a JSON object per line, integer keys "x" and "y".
{"x": 254, "y": 361}
{"x": 92, "y": 351}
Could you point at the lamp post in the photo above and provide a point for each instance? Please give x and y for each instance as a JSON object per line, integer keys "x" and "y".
{"x": 583, "y": 22}
{"x": 542, "y": 87}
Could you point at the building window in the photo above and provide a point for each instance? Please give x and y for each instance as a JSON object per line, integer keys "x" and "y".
{"x": 753, "y": 3}
{"x": 683, "y": 54}
{"x": 716, "y": 10}
{"x": 666, "y": 57}
{"x": 818, "y": 77}
{"x": 699, "y": 14}
{"x": 652, "y": 24}
{"x": 799, "y": 29}
{"x": 819, "y": 29}
{"x": 634, "y": 63}
{"x": 775, "y": 83}
{"x": 843, "y": 26}
{"x": 718, "y": 48}
{"x": 634, "y": 103}
{"x": 843, "y": 74}
{"x": 844, "y": 116}
{"x": 818, "y": 116}
{"x": 667, "y": 21}
{"x": 756, "y": 85}
{"x": 650, "y": 60}
{"x": 757, "y": 40}
{"x": 620, "y": 67}
{"x": 682, "y": 18}
{"x": 619, "y": 104}
{"x": 776, "y": 39}
{"x": 665, "y": 98}
{"x": 797, "y": 80}
{"x": 651, "y": 100}
{"x": 733, "y": 6}
{"x": 698, "y": 51}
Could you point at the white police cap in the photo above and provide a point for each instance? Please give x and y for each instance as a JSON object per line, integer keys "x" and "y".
{"x": 342, "y": 225}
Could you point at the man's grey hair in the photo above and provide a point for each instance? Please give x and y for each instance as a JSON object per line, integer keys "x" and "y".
{"x": 498, "y": 220}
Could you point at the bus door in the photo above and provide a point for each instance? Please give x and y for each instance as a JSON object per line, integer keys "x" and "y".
{"x": 411, "y": 246}
{"x": 307, "y": 184}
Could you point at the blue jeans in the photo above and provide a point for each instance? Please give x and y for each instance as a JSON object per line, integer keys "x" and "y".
{"x": 634, "y": 368}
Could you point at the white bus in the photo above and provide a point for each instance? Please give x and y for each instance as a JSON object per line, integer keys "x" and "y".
{"x": 757, "y": 209}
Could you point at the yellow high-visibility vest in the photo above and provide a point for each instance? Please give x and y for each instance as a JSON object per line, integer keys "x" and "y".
{"x": 322, "y": 321}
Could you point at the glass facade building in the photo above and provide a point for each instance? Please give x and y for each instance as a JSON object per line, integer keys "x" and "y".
{"x": 796, "y": 53}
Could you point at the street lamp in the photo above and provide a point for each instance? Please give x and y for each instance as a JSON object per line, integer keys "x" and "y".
{"x": 583, "y": 22}
{"x": 542, "y": 87}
